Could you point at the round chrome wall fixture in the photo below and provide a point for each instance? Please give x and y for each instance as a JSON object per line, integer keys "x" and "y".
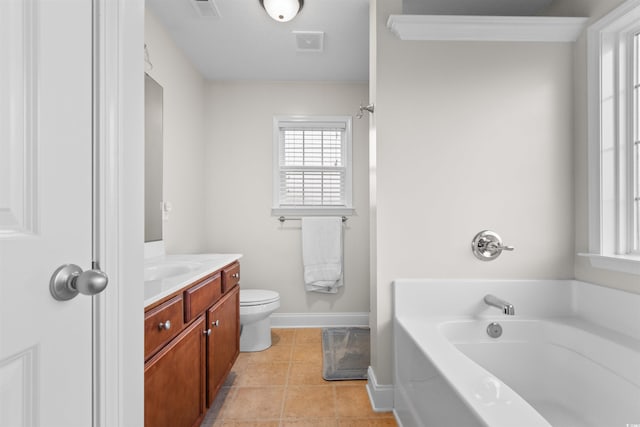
{"x": 487, "y": 246}
{"x": 494, "y": 330}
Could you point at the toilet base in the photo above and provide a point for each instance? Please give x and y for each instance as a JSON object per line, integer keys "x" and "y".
{"x": 256, "y": 336}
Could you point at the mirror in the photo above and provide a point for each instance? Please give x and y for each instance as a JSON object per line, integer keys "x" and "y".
{"x": 152, "y": 160}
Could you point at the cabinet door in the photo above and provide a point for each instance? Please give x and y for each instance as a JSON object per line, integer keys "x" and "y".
{"x": 224, "y": 341}
{"x": 174, "y": 388}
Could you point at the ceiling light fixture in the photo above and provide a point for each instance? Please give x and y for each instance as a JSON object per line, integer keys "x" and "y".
{"x": 282, "y": 10}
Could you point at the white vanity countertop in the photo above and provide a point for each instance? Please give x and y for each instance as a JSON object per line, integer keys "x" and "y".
{"x": 167, "y": 274}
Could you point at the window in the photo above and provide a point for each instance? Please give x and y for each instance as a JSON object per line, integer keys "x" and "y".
{"x": 634, "y": 152}
{"x": 614, "y": 135}
{"x": 312, "y": 165}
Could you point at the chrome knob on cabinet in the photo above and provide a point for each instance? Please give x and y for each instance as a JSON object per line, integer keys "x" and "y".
{"x": 165, "y": 325}
{"x": 207, "y": 332}
{"x": 236, "y": 275}
{"x": 215, "y": 324}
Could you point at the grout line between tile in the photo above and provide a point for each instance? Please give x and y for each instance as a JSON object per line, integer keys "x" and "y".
{"x": 234, "y": 390}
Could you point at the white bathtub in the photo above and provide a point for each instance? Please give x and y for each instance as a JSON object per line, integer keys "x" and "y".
{"x": 569, "y": 357}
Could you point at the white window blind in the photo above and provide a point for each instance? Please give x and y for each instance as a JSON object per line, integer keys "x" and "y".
{"x": 313, "y": 164}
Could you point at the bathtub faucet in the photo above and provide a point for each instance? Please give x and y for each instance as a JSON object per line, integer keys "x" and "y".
{"x": 501, "y": 304}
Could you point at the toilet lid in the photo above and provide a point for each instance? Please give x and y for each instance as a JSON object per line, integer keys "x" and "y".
{"x": 257, "y": 296}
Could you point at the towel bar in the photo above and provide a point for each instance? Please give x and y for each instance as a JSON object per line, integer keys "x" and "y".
{"x": 283, "y": 219}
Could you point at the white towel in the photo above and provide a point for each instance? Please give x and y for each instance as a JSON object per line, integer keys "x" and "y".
{"x": 322, "y": 253}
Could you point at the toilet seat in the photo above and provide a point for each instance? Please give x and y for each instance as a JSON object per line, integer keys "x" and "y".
{"x": 253, "y": 297}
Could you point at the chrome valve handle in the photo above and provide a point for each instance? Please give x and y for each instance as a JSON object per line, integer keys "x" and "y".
{"x": 497, "y": 247}
{"x": 487, "y": 246}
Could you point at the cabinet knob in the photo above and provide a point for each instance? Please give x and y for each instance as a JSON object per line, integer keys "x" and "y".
{"x": 207, "y": 332}
{"x": 164, "y": 325}
{"x": 236, "y": 275}
{"x": 215, "y": 324}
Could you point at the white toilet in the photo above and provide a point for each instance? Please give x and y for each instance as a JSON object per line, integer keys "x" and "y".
{"x": 256, "y": 305}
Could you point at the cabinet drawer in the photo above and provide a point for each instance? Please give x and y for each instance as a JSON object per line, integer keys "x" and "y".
{"x": 162, "y": 324}
{"x": 230, "y": 276}
{"x": 201, "y": 296}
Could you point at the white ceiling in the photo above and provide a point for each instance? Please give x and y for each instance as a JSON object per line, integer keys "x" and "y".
{"x": 244, "y": 43}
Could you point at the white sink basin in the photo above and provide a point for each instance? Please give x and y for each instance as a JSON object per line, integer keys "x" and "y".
{"x": 167, "y": 274}
{"x": 167, "y": 270}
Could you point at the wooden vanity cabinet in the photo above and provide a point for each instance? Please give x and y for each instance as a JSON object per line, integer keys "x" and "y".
{"x": 230, "y": 276}
{"x": 199, "y": 297}
{"x": 223, "y": 344}
{"x": 173, "y": 380}
{"x": 192, "y": 339}
{"x": 161, "y": 324}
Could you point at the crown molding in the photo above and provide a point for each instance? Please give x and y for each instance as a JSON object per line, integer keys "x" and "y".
{"x": 486, "y": 28}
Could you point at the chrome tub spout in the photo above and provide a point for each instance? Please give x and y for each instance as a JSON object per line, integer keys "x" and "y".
{"x": 494, "y": 301}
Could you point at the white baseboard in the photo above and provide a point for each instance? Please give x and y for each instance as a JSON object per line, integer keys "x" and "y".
{"x": 318, "y": 320}
{"x": 380, "y": 395}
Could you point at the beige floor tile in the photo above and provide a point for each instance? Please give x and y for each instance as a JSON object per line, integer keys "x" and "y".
{"x": 353, "y": 401}
{"x": 306, "y": 373}
{"x": 309, "y": 422}
{"x": 279, "y": 353}
{"x": 264, "y": 374}
{"x": 213, "y": 415}
{"x": 238, "y": 369}
{"x": 342, "y": 383}
{"x": 308, "y": 335}
{"x": 309, "y": 402}
{"x": 311, "y": 353}
{"x": 246, "y": 424}
{"x": 254, "y": 403}
{"x": 367, "y": 422}
{"x": 242, "y": 361}
{"x": 283, "y": 386}
{"x": 233, "y": 379}
{"x": 282, "y": 336}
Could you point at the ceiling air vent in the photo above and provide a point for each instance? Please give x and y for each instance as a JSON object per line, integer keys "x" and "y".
{"x": 206, "y": 8}
{"x": 309, "y": 41}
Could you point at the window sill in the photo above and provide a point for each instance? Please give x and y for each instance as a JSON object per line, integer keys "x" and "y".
{"x": 629, "y": 264}
{"x": 313, "y": 212}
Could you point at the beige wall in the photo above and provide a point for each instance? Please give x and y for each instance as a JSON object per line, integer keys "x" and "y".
{"x": 470, "y": 136}
{"x": 595, "y": 9}
{"x": 238, "y": 196}
{"x": 184, "y": 184}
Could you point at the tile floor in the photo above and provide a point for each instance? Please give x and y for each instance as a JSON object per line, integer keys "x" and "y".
{"x": 283, "y": 387}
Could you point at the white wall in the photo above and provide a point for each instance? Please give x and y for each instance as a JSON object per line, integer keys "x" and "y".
{"x": 238, "y": 196}
{"x": 583, "y": 271}
{"x": 184, "y": 183}
{"x": 470, "y": 136}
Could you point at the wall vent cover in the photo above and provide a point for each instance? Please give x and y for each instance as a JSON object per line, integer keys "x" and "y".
{"x": 206, "y": 8}
{"x": 309, "y": 41}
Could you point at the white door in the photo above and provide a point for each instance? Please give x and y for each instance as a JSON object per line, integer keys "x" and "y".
{"x": 45, "y": 210}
